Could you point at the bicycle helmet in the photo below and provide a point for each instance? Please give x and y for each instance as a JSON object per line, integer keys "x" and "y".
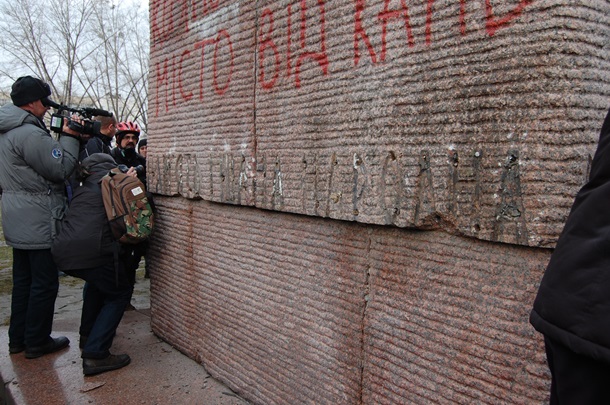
{"x": 126, "y": 127}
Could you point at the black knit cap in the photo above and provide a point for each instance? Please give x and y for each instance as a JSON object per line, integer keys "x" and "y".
{"x": 27, "y": 89}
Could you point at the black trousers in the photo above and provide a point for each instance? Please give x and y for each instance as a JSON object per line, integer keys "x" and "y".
{"x": 576, "y": 379}
{"x": 35, "y": 286}
{"x": 130, "y": 256}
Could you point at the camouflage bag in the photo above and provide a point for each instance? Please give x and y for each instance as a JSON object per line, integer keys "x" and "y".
{"x": 127, "y": 206}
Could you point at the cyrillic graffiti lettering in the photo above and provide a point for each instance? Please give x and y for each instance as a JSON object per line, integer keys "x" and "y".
{"x": 372, "y": 19}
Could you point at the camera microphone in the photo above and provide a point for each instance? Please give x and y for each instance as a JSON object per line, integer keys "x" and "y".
{"x": 97, "y": 112}
{"x": 87, "y": 111}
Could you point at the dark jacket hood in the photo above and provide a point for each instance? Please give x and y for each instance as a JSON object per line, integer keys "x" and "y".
{"x": 98, "y": 162}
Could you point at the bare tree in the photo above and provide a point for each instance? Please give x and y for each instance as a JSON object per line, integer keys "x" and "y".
{"x": 25, "y": 41}
{"x": 92, "y": 52}
{"x": 122, "y": 59}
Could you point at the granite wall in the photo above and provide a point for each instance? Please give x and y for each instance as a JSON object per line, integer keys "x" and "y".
{"x": 357, "y": 198}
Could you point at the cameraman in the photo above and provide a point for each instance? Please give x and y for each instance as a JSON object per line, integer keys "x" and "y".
{"x": 101, "y": 143}
{"x": 33, "y": 167}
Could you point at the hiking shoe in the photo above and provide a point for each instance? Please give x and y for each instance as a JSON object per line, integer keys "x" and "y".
{"x": 54, "y": 345}
{"x": 112, "y": 362}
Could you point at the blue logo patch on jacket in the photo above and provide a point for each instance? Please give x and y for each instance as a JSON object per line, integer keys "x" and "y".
{"x": 56, "y": 153}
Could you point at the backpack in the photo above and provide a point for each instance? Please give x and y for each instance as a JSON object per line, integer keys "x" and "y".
{"x": 128, "y": 207}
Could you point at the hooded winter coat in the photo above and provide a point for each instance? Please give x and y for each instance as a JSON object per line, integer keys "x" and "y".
{"x": 573, "y": 302}
{"x": 85, "y": 240}
{"x": 33, "y": 167}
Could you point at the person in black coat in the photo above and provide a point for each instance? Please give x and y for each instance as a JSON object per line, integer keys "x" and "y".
{"x": 572, "y": 307}
{"x": 127, "y": 137}
{"x": 102, "y": 142}
{"x": 85, "y": 248}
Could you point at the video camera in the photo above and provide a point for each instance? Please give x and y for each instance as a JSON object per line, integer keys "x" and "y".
{"x": 89, "y": 126}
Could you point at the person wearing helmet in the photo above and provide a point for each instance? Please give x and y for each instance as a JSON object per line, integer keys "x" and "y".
{"x": 127, "y": 137}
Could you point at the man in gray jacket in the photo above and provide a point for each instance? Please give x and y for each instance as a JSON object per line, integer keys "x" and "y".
{"x": 33, "y": 167}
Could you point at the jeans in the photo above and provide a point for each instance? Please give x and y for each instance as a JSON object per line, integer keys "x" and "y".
{"x": 35, "y": 286}
{"x": 105, "y": 298}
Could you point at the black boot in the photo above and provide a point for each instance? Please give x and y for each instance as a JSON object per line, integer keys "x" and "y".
{"x": 51, "y": 347}
{"x": 14, "y": 349}
{"x": 112, "y": 362}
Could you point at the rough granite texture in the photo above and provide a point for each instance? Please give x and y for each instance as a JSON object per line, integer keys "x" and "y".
{"x": 289, "y": 309}
{"x": 391, "y": 176}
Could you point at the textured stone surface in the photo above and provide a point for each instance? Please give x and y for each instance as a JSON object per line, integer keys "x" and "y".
{"x": 292, "y": 309}
{"x": 448, "y": 323}
{"x": 475, "y": 117}
{"x": 432, "y": 151}
{"x": 258, "y": 303}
